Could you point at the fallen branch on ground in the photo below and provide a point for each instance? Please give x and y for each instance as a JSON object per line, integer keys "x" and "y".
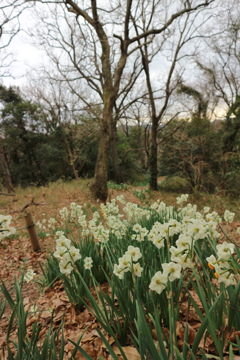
{"x": 7, "y": 194}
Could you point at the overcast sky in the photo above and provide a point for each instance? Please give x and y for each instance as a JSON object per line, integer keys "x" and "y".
{"x": 27, "y": 56}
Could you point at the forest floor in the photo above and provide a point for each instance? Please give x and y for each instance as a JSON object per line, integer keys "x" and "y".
{"x": 16, "y": 255}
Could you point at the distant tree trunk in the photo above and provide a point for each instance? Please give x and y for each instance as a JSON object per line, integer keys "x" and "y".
{"x": 115, "y": 160}
{"x": 153, "y": 156}
{"x": 71, "y": 158}
{"x": 5, "y": 169}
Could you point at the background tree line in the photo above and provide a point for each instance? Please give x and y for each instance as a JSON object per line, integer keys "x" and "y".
{"x": 36, "y": 148}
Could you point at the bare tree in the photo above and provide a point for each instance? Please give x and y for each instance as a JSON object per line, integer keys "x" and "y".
{"x": 222, "y": 77}
{"x": 64, "y": 110}
{"x": 10, "y": 26}
{"x": 184, "y": 31}
{"x": 221, "y": 60}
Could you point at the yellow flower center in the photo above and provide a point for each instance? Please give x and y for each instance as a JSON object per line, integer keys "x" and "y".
{"x": 210, "y": 266}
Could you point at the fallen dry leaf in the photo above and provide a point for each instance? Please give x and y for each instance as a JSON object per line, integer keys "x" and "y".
{"x": 130, "y": 352}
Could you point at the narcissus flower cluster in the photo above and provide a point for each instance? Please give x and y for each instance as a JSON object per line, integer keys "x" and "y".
{"x": 29, "y": 275}
{"x": 66, "y": 253}
{"x": 5, "y": 228}
{"x": 179, "y": 230}
{"x": 222, "y": 263}
{"x": 128, "y": 262}
{"x": 171, "y": 271}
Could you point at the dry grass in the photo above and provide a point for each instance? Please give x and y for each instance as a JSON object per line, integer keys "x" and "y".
{"x": 50, "y": 199}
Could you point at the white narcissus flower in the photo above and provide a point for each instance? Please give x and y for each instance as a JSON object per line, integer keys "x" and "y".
{"x": 172, "y": 270}
{"x": 185, "y": 221}
{"x": 206, "y": 209}
{"x": 226, "y": 277}
{"x": 182, "y": 199}
{"x": 144, "y": 232}
{"x": 118, "y": 271}
{"x": 7, "y": 232}
{"x": 184, "y": 242}
{"x": 121, "y": 199}
{"x": 140, "y": 237}
{"x": 238, "y": 230}
{"x": 74, "y": 253}
{"x": 137, "y": 228}
{"x": 158, "y": 282}
{"x": 51, "y": 223}
{"x": 137, "y": 270}
{"x": 212, "y": 262}
{"x": 63, "y": 242}
{"x": 29, "y": 275}
{"x": 197, "y": 229}
{"x": 39, "y": 225}
{"x": 65, "y": 265}
{"x": 124, "y": 262}
{"x": 164, "y": 230}
{"x": 158, "y": 241}
{"x": 134, "y": 253}
{"x": 174, "y": 227}
{"x": 175, "y": 253}
{"x": 228, "y": 216}
{"x": 88, "y": 263}
{"x": 59, "y": 233}
{"x": 213, "y": 216}
{"x": 212, "y": 226}
{"x": 5, "y": 229}
{"x": 64, "y": 212}
{"x": 185, "y": 261}
{"x": 60, "y": 252}
{"x": 5, "y": 221}
{"x": 225, "y": 250}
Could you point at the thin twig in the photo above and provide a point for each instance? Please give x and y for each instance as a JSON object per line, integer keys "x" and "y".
{"x": 31, "y": 203}
{"x": 234, "y": 242}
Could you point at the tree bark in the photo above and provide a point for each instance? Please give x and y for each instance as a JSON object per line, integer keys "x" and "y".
{"x": 115, "y": 160}
{"x": 99, "y": 187}
{"x": 153, "y": 157}
{"x": 5, "y": 169}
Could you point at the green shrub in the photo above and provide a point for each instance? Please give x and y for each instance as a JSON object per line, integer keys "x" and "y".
{"x": 232, "y": 184}
{"x": 175, "y": 184}
{"x": 113, "y": 185}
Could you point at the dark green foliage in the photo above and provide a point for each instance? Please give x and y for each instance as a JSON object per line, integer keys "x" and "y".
{"x": 231, "y": 128}
{"x": 230, "y": 133}
{"x": 131, "y": 153}
{"x": 39, "y": 148}
{"x": 194, "y": 153}
{"x": 201, "y": 103}
{"x": 175, "y": 184}
{"x": 9, "y": 95}
{"x": 38, "y": 153}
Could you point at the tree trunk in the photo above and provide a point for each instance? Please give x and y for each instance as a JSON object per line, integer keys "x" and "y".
{"x": 71, "y": 158}
{"x": 115, "y": 160}
{"x": 99, "y": 187}
{"x": 153, "y": 157}
{"x": 5, "y": 169}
